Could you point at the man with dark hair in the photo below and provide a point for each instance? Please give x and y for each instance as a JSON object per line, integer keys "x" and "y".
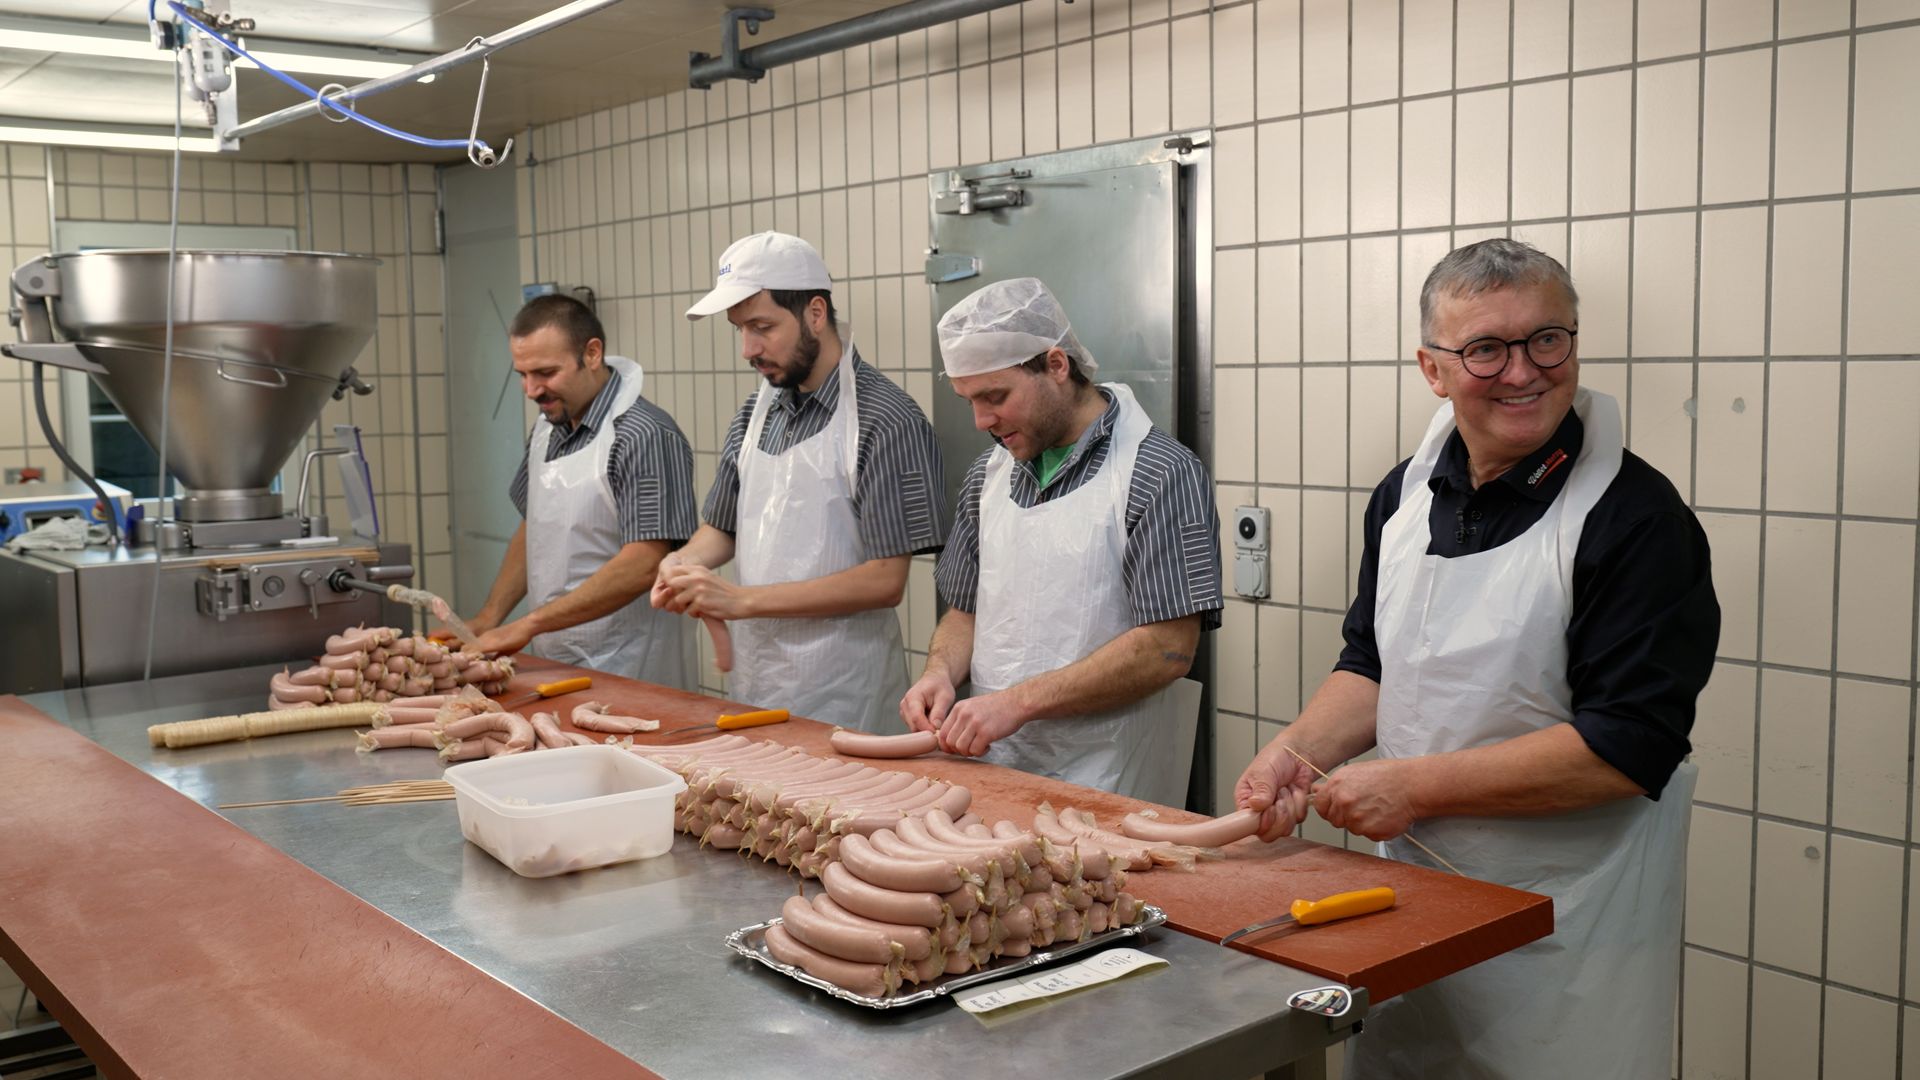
{"x": 606, "y": 491}
{"x": 1083, "y": 566}
{"x": 828, "y": 485}
{"x": 1534, "y": 620}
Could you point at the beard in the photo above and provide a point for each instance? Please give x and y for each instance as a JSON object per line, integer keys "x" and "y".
{"x": 1050, "y": 425}
{"x": 798, "y": 368}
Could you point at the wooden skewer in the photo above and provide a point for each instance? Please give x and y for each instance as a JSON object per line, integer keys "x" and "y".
{"x": 397, "y": 791}
{"x": 1409, "y": 835}
{"x": 389, "y": 800}
{"x": 278, "y": 802}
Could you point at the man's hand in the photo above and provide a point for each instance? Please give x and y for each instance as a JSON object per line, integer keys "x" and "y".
{"x": 1278, "y": 785}
{"x": 479, "y": 624}
{"x": 503, "y": 641}
{"x": 927, "y": 702}
{"x": 698, "y": 591}
{"x": 661, "y": 596}
{"x": 1368, "y": 798}
{"x": 978, "y": 722}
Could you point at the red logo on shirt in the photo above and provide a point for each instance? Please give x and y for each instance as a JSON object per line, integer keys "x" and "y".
{"x": 1546, "y": 467}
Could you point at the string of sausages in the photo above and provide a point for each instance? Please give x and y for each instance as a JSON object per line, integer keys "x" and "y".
{"x": 380, "y": 664}
{"x": 467, "y": 725}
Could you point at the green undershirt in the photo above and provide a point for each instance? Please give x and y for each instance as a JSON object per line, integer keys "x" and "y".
{"x": 1051, "y": 460}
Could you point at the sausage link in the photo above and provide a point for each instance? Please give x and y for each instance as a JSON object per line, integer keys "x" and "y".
{"x": 886, "y": 905}
{"x": 869, "y": 946}
{"x": 313, "y": 676}
{"x": 914, "y": 832}
{"x": 283, "y": 687}
{"x": 546, "y": 728}
{"x": 1212, "y": 832}
{"x": 906, "y": 875}
{"x": 917, "y": 941}
{"x": 873, "y": 980}
{"x": 722, "y": 642}
{"x": 861, "y": 744}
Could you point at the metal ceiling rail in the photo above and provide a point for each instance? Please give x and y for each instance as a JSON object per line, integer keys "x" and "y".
{"x": 750, "y": 64}
{"x": 446, "y": 61}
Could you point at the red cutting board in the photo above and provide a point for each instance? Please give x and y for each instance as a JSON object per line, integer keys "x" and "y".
{"x": 1440, "y": 924}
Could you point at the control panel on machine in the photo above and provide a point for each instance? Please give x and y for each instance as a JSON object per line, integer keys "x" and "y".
{"x": 296, "y": 574}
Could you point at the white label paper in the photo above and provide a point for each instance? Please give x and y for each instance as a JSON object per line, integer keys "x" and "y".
{"x": 1109, "y": 965}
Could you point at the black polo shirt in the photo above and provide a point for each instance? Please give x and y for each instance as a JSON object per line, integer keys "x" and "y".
{"x": 1645, "y": 622}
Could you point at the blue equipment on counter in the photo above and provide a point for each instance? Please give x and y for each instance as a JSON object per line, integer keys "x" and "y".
{"x": 24, "y": 506}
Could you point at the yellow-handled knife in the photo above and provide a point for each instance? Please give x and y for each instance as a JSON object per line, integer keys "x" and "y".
{"x": 1314, "y": 912}
{"x": 552, "y": 689}
{"x": 733, "y": 721}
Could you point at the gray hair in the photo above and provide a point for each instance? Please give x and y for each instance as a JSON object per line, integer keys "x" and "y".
{"x": 1490, "y": 264}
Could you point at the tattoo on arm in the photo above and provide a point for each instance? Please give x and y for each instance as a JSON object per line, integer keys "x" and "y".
{"x": 1172, "y": 657}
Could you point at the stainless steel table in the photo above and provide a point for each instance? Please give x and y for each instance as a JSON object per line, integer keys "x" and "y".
{"x": 633, "y": 953}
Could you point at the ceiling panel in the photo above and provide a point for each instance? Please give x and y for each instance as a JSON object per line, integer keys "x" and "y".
{"x": 632, "y": 50}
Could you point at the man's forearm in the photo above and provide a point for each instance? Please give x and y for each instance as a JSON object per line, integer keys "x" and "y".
{"x": 1124, "y": 670}
{"x": 622, "y": 579}
{"x": 510, "y": 585}
{"x": 1548, "y": 771}
{"x": 708, "y": 547}
{"x": 870, "y": 586}
{"x": 1338, "y": 723}
{"x": 951, "y": 650}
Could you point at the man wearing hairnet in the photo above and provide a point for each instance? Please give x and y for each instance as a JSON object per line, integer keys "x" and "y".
{"x": 1082, "y": 567}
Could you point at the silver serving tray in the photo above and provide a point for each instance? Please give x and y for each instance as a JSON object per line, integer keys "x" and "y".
{"x": 751, "y": 942}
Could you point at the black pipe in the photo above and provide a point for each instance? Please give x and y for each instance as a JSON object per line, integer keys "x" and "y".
{"x": 46, "y": 427}
{"x": 341, "y": 581}
{"x": 705, "y": 70}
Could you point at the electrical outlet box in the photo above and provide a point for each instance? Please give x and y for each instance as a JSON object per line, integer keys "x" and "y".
{"x": 1252, "y": 576}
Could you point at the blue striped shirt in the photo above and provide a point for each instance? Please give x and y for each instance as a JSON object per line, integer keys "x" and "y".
{"x": 650, "y": 468}
{"x": 896, "y": 494}
{"x": 1172, "y": 563}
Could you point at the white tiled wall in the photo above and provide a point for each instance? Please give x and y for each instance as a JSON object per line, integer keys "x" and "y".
{"x": 381, "y": 210}
{"x": 24, "y": 223}
{"x": 1735, "y": 185}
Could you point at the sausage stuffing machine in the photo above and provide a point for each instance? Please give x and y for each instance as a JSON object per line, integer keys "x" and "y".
{"x": 260, "y": 342}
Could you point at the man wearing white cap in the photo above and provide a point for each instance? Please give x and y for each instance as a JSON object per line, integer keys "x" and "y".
{"x": 1082, "y": 568}
{"x": 828, "y": 485}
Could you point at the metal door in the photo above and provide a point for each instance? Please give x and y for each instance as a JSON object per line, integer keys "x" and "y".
{"x": 486, "y": 415}
{"x": 1102, "y": 228}
{"x": 1113, "y": 231}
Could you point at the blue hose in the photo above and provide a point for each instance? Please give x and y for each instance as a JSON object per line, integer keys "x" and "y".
{"x": 296, "y": 84}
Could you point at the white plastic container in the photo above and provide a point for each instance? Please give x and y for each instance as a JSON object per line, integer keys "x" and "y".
{"x": 554, "y": 811}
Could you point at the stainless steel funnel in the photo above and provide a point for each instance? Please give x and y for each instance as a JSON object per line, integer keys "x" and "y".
{"x": 261, "y": 340}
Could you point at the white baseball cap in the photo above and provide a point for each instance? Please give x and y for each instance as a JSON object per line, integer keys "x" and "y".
{"x": 1003, "y": 324}
{"x": 768, "y": 260}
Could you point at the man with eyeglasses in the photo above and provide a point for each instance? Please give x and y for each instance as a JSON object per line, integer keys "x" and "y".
{"x": 1534, "y": 620}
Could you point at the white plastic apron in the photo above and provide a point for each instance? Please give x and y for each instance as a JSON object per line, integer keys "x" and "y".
{"x": 1051, "y": 593}
{"x": 1473, "y": 651}
{"x": 797, "y": 522}
{"x": 573, "y": 529}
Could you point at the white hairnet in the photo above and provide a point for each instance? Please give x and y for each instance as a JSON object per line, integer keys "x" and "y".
{"x": 1003, "y": 324}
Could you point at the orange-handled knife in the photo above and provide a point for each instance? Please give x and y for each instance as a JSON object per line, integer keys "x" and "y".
{"x": 552, "y": 689}
{"x": 1314, "y": 912}
{"x": 735, "y": 721}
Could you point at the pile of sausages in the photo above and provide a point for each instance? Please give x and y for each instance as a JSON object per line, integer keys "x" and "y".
{"x": 379, "y": 663}
{"x": 888, "y": 918}
{"x": 787, "y": 805}
{"x": 469, "y": 725}
{"x": 915, "y": 888}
